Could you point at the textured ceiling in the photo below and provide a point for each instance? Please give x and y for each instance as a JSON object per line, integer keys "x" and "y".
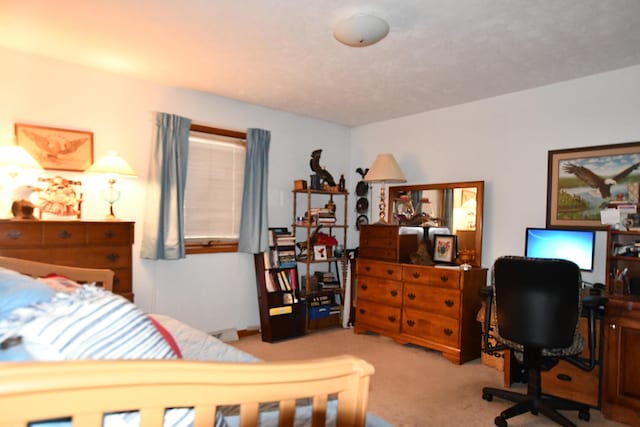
{"x": 281, "y": 53}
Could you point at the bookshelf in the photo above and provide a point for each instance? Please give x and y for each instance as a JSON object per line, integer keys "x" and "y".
{"x": 321, "y": 278}
{"x": 282, "y": 309}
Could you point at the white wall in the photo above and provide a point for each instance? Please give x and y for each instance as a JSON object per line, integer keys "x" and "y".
{"x": 211, "y": 292}
{"x": 505, "y": 141}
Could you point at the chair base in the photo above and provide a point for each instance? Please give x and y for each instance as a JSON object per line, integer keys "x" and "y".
{"x": 544, "y": 404}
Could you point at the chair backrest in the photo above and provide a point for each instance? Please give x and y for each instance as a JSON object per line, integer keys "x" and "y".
{"x": 537, "y": 301}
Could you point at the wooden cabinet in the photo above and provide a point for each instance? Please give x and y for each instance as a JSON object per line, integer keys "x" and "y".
{"x": 96, "y": 244}
{"x": 428, "y": 306}
{"x": 621, "y": 400}
{"x": 386, "y": 243}
{"x": 309, "y": 213}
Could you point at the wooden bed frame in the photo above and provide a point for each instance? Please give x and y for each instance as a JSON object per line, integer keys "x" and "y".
{"x": 86, "y": 390}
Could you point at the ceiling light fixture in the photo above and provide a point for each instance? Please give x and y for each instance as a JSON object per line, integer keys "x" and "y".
{"x": 361, "y": 30}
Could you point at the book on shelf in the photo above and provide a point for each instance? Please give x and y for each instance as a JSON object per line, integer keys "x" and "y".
{"x": 285, "y": 309}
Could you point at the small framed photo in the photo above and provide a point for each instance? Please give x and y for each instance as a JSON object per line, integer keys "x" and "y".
{"x": 445, "y": 248}
{"x": 319, "y": 252}
{"x": 55, "y": 148}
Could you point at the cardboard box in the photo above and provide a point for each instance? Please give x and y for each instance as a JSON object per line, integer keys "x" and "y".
{"x": 495, "y": 360}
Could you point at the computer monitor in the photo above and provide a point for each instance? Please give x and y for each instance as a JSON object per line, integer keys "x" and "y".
{"x": 575, "y": 245}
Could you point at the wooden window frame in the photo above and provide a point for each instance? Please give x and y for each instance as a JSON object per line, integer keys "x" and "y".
{"x": 222, "y": 245}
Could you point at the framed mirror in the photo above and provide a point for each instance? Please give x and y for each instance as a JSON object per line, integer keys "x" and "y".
{"x": 447, "y": 208}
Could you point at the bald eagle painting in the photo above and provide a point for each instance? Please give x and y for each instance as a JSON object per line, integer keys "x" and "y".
{"x": 55, "y": 148}
{"x": 589, "y": 184}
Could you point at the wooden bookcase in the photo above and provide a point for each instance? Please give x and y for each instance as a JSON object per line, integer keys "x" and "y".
{"x": 282, "y": 310}
{"x": 324, "y": 304}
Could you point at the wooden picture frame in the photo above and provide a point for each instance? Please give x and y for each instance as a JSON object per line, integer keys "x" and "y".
{"x": 445, "y": 248}
{"x": 56, "y": 148}
{"x": 583, "y": 181}
{"x": 319, "y": 252}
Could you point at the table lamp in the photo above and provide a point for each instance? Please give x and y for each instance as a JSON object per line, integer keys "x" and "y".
{"x": 112, "y": 165}
{"x": 384, "y": 169}
{"x": 13, "y": 158}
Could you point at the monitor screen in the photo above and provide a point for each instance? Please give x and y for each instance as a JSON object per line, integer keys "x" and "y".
{"x": 575, "y": 245}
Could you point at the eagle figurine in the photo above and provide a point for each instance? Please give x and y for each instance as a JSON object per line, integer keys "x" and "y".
{"x": 603, "y": 185}
{"x": 315, "y": 166}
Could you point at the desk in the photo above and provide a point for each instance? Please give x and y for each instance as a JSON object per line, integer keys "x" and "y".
{"x": 565, "y": 379}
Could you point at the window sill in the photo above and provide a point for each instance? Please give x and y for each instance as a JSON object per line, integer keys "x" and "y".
{"x": 204, "y": 248}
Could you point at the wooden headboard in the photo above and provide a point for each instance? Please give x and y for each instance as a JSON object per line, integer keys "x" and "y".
{"x": 101, "y": 276}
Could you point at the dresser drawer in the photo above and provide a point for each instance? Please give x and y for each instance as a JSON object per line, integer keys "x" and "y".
{"x": 110, "y": 233}
{"x": 383, "y": 291}
{"x": 378, "y": 269}
{"x": 63, "y": 234}
{"x": 433, "y": 276}
{"x": 441, "y": 329}
{"x": 385, "y": 253}
{"x": 370, "y": 234}
{"x": 16, "y": 233}
{"x": 433, "y": 299}
{"x": 379, "y": 316}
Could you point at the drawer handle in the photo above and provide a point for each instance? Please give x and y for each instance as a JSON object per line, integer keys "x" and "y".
{"x": 109, "y": 234}
{"x": 394, "y": 293}
{"x": 448, "y": 303}
{"x": 116, "y": 281}
{"x": 64, "y": 234}
{"x": 367, "y": 268}
{"x": 14, "y": 234}
{"x": 411, "y": 296}
{"x": 113, "y": 257}
{"x": 362, "y": 311}
{"x": 364, "y": 287}
{"x": 416, "y": 275}
{"x": 564, "y": 377}
{"x": 392, "y": 319}
{"x": 410, "y": 322}
{"x": 447, "y": 332}
{"x": 389, "y": 272}
{"x": 444, "y": 278}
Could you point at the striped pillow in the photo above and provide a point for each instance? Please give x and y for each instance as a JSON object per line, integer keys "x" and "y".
{"x": 90, "y": 323}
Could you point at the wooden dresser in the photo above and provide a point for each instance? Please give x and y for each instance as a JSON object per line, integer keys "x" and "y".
{"x": 97, "y": 244}
{"x": 429, "y": 306}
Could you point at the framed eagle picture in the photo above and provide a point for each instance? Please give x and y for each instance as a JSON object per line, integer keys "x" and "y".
{"x": 584, "y": 181}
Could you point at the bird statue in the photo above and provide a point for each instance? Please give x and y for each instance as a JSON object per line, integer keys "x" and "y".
{"x": 54, "y": 146}
{"x": 319, "y": 170}
{"x": 603, "y": 185}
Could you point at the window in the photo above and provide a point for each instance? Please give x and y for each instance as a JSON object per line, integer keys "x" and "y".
{"x": 213, "y": 194}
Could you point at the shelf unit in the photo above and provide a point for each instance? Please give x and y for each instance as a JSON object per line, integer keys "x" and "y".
{"x": 328, "y": 313}
{"x": 622, "y": 257}
{"x": 282, "y": 309}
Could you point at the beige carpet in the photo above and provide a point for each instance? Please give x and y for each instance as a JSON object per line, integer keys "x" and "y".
{"x": 412, "y": 386}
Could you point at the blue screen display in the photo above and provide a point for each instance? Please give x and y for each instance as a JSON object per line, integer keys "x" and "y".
{"x": 574, "y": 245}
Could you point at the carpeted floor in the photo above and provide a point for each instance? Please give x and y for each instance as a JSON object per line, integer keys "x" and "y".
{"x": 412, "y": 386}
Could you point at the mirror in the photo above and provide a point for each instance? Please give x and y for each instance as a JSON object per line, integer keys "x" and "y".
{"x": 448, "y": 208}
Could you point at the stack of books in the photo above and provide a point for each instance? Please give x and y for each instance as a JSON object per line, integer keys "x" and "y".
{"x": 326, "y": 280}
{"x": 318, "y": 216}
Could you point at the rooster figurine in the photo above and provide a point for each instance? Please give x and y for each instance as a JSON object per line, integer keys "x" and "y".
{"x": 319, "y": 170}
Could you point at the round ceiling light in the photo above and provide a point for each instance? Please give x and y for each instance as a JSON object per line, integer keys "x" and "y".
{"x": 361, "y": 30}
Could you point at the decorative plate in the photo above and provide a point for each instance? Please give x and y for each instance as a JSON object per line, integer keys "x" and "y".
{"x": 362, "y": 205}
{"x": 361, "y": 220}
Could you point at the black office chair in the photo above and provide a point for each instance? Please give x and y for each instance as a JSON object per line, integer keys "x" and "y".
{"x": 538, "y": 305}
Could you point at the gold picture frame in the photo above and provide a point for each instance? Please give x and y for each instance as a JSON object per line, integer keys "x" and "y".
{"x": 583, "y": 181}
{"x": 56, "y": 148}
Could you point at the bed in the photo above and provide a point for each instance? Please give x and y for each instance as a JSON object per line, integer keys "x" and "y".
{"x": 77, "y": 354}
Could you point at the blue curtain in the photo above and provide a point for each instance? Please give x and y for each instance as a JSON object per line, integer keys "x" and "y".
{"x": 254, "y": 224}
{"x": 163, "y": 232}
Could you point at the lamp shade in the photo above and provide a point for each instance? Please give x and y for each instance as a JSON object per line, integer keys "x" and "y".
{"x": 385, "y": 169}
{"x": 112, "y": 163}
{"x": 15, "y": 156}
{"x": 361, "y": 30}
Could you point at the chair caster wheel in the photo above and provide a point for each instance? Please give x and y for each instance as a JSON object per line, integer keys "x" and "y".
{"x": 500, "y": 422}
{"x": 584, "y": 415}
{"x": 488, "y": 397}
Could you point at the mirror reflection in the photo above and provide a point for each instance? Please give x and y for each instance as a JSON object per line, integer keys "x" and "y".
{"x": 450, "y": 208}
